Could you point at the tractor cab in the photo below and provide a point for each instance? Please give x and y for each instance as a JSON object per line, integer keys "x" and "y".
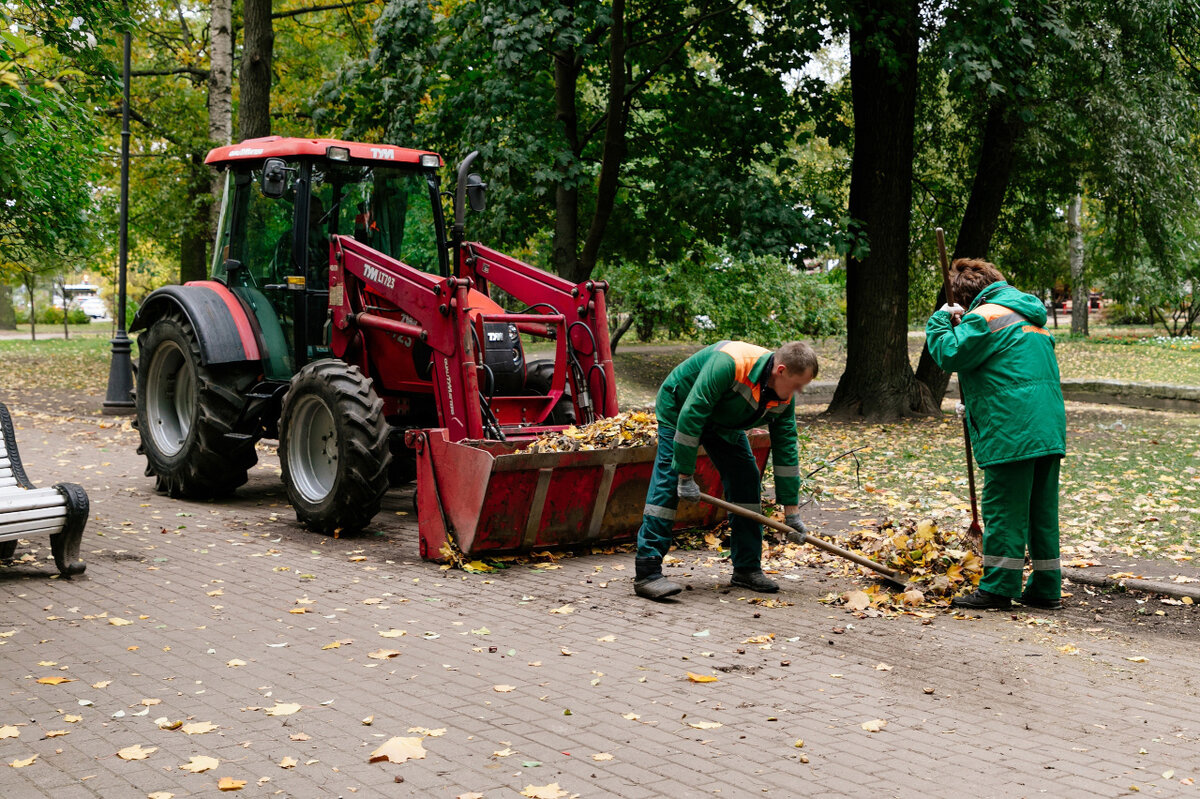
{"x": 284, "y": 201}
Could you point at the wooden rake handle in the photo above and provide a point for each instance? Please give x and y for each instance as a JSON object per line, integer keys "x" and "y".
{"x": 833, "y": 549}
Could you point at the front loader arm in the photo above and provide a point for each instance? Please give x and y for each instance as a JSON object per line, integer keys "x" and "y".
{"x": 582, "y": 304}
{"x": 365, "y": 286}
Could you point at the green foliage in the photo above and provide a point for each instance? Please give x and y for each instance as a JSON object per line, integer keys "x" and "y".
{"x": 1119, "y": 313}
{"x": 719, "y": 295}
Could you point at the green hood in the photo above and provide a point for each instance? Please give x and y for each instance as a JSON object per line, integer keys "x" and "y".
{"x": 1001, "y": 293}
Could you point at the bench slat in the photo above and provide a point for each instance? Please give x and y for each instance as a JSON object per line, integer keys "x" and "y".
{"x": 33, "y": 498}
{"x": 32, "y": 533}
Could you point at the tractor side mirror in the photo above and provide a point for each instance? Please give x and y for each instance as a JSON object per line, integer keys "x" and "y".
{"x": 475, "y": 192}
{"x": 274, "y": 178}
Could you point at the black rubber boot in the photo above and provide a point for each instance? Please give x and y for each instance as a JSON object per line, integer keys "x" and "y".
{"x": 982, "y": 600}
{"x": 1041, "y": 604}
{"x": 755, "y": 580}
{"x": 649, "y": 581}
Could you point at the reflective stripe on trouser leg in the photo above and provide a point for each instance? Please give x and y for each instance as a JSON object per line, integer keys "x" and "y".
{"x": 1007, "y": 492}
{"x": 742, "y": 484}
{"x": 1046, "y": 580}
{"x": 658, "y": 517}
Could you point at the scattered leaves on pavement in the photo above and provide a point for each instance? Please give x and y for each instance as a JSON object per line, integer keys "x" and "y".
{"x": 398, "y": 750}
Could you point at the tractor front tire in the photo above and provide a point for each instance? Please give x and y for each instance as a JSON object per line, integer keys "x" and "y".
{"x": 333, "y": 447}
{"x": 538, "y": 377}
{"x": 184, "y": 410}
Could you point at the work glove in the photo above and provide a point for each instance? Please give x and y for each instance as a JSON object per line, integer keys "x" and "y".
{"x": 954, "y": 309}
{"x": 793, "y": 521}
{"x": 688, "y": 489}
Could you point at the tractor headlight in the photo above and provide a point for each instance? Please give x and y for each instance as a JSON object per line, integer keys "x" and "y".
{"x": 337, "y": 153}
{"x": 431, "y": 160}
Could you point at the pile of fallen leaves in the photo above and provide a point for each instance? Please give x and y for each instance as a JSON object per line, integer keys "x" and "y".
{"x": 632, "y": 429}
{"x": 940, "y": 564}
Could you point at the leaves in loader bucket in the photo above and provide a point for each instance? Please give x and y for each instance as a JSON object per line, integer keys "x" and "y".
{"x": 631, "y": 429}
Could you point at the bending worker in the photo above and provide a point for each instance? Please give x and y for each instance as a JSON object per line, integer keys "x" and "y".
{"x": 711, "y": 399}
{"x": 1010, "y": 383}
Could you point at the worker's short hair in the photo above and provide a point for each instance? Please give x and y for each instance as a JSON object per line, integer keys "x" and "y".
{"x": 798, "y": 357}
{"x": 971, "y": 276}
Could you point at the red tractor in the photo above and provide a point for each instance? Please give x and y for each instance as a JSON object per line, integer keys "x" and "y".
{"x": 344, "y": 320}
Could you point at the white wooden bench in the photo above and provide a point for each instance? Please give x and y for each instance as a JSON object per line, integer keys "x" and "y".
{"x": 60, "y": 512}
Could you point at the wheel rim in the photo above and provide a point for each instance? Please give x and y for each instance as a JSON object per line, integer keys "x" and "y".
{"x": 171, "y": 398}
{"x": 312, "y": 449}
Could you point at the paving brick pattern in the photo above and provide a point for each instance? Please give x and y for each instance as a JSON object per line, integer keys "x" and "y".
{"x": 985, "y": 707}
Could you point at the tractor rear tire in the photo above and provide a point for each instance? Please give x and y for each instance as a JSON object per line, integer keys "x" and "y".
{"x": 184, "y": 410}
{"x": 538, "y": 377}
{"x": 333, "y": 447}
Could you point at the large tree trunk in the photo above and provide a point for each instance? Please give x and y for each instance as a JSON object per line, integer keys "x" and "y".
{"x": 254, "y": 80}
{"x": 614, "y": 147}
{"x": 220, "y": 93}
{"x": 982, "y": 215}
{"x": 878, "y": 383}
{"x": 1080, "y": 293}
{"x": 566, "y": 195}
{"x": 8, "y": 316}
{"x": 193, "y": 265}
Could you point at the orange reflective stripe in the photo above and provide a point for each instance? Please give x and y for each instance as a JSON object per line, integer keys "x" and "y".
{"x": 1036, "y": 329}
{"x": 989, "y": 311}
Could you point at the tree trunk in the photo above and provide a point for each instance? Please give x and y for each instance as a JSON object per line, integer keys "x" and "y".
{"x": 982, "y": 215}
{"x": 878, "y": 383}
{"x": 566, "y": 194}
{"x": 613, "y": 156}
{"x": 254, "y": 80}
{"x": 193, "y": 265}
{"x": 220, "y": 94}
{"x": 8, "y": 316}
{"x": 1080, "y": 293}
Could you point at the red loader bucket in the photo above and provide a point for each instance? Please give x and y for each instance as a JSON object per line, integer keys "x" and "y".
{"x": 490, "y": 499}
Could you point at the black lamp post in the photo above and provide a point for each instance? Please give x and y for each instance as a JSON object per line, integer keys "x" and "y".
{"x": 119, "y": 399}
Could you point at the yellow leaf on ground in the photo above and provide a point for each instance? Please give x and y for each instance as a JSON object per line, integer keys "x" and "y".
{"x": 857, "y": 600}
{"x": 504, "y": 689}
{"x": 471, "y": 795}
{"x": 119, "y": 622}
{"x": 883, "y": 667}
{"x": 602, "y": 756}
{"x": 288, "y": 762}
{"x": 283, "y": 709}
{"x": 1069, "y": 649}
{"x": 72, "y": 719}
{"x": 55, "y": 680}
{"x": 608, "y": 639}
{"x": 705, "y": 725}
{"x": 333, "y": 645}
{"x": 392, "y": 633}
{"x": 702, "y": 677}
{"x": 438, "y": 733}
{"x": 23, "y": 763}
{"x": 136, "y": 752}
{"x": 230, "y": 784}
{"x": 233, "y": 664}
{"x": 160, "y": 795}
{"x": 630, "y": 716}
{"x": 760, "y": 639}
{"x": 200, "y": 727}
{"x": 874, "y": 725}
{"x": 200, "y": 763}
{"x": 564, "y": 610}
{"x": 505, "y": 752}
{"x": 56, "y": 733}
{"x": 1138, "y": 659}
{"x": 9, "y": 731}
{"x": 102, "y": 684}
{"x": 551, "y": 791}
{"x": 383, "y": 654}
{"x": 398, "y": 750}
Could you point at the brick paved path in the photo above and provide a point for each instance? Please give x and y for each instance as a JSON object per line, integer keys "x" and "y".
{"x": 600, "y": 701}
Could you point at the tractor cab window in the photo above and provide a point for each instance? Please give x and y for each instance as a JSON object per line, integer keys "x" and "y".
{"x": 256, "y": 232}
{"x": 388, "y": 209}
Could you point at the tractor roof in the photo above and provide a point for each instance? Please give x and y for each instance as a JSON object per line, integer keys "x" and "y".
{"x": 281, "y": 147}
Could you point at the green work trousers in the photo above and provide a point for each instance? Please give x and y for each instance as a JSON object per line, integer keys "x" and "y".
{"x": 740, "y": 480}
{"x": 1020, "y": 511}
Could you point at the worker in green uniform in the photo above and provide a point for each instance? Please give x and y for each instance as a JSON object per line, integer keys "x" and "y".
{"x": 711, "y": 399}
{"x": 1010, "y": 384}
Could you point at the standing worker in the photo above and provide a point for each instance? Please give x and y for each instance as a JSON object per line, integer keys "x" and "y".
{"x": 1010, "y": 384}
{"x": 711, "y": 399}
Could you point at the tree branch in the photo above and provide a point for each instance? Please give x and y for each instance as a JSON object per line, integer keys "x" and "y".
{"x": 295, "y": 12}
{"x": 143, "y": 73}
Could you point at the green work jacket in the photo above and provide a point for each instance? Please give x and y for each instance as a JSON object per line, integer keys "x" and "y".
{"x": 1008, "y": 374}
{"x": 720, "y": 390}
